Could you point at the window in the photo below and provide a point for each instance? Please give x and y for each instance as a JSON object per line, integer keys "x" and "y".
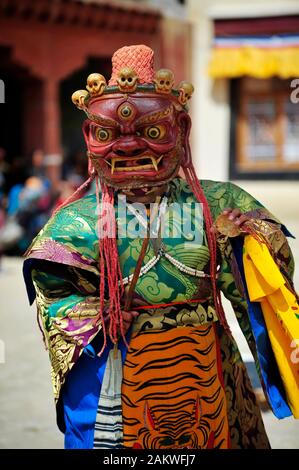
{"x": 265, "y": 128}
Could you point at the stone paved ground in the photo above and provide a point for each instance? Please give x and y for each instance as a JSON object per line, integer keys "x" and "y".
{"x": 27, "y": 415}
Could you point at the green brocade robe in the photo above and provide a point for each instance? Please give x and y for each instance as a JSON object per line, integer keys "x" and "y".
{"x": 61, "y": 270}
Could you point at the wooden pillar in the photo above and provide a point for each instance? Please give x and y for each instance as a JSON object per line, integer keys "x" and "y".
{"x": 51, "y": 130}
{"x": 176, "y": 39}
{"x": 33, "y": 116}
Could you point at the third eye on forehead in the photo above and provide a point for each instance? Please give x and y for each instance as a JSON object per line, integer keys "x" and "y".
{"x": 126, "y": 112}
{"x": 132, "y": 108}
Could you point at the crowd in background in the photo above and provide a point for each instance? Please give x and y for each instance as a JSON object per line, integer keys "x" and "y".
{"x": 27, "y": 198}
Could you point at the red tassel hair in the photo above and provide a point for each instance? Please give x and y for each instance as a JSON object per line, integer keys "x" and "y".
{"x": 109, "y": 267}
{"x": 193, "y": 182}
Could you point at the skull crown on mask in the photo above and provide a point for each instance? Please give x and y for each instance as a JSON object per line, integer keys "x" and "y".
{"x": 135, "y": 142}
{"x": 138, "y": 127}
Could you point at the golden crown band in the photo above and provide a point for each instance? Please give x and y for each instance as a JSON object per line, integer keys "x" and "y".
{"x": 128, "y": 82}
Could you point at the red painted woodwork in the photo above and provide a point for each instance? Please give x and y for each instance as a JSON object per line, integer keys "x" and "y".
{"x": 51, "y": 40}
{"x": 270, "y": 25}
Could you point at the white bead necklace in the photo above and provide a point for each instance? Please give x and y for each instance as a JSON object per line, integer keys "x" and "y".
{"x": 161, "y": 252}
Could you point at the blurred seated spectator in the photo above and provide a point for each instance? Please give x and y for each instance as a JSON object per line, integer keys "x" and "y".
{"x": 30, "y": 202}
{"x": 29, "y": 208}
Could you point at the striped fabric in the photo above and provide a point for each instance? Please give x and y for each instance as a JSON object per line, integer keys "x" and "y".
{"x": 274, "y": 41}
{"x": 255, "y": 56}
{"x": 108, "y": 432}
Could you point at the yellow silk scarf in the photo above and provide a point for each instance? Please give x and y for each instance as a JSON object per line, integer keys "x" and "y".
{"x": 280, "y": 308}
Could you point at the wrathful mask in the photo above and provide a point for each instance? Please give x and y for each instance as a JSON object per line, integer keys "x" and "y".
{"x": 137, "y": 127}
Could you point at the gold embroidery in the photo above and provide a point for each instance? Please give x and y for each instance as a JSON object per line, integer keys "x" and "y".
{"x": 155, "y": 116}
{"x": 171, "y": 317}
{"x": 102, "y": 120}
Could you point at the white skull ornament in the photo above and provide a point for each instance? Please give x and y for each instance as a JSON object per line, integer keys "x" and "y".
{"x": 185, "y": 89}
{"x": 164, "y": 80}
{"x": 127, "y": 80}
{"x": 96, "y": 84}
{"x": 78, "y": 98}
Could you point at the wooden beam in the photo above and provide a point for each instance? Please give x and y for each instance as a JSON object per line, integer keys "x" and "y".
{"x": 251, "y": 26}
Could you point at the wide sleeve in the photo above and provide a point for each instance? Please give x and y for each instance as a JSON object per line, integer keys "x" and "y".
{"x": 268, "y": 225}
{"x": 255, "y": 333}
{"x": 61, "y": 273}
{"x": 67, "y": 307}
{"x": 232, "y": 282}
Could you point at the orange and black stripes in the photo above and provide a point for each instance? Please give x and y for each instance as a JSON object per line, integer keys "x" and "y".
{"x": 172, "y": 393}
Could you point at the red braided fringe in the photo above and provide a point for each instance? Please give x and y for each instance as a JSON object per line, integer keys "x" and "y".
{"x": 192, "y": 180}
{"x": 109, "y": 266}
{"x": 76, "y": 195}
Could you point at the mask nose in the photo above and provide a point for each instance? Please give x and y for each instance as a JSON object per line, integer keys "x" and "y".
{"x": 129, "y": 147}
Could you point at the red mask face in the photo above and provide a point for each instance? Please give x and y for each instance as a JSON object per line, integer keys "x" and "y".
{"x": 134, "y": 141}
